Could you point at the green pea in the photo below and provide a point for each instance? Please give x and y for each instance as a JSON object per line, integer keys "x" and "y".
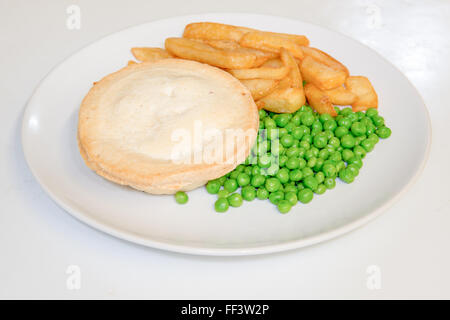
{"x": 272, "y": 184}
{"x": 309, "y": 154}
{"x": 276, "y": 196}
{"x": 367, "y": 145}
{"x": 353, "y": 169}
{"x": 284, "y": 206}
{"x": 345, "y": 122}
{"x": 235, "y": 200}
{"x": 321, "y": 188}
{"x": 358, "y": 151}
{"x": 329, "y": 183}
{"x": 248, "y": 170}
{"x": 320, "y": 140}
{"x": 359, "y": 139}
{"x": 181, "y": 197}
{"x": 307, "y": 119}
{"x": 324, "y": 154}
{"x": 243, "y": 179}
{"x": 282, "y": 160}
{"x": 330, "y": 125}
{"x": 347, "y": 154}
{"x": 355, "y": 160}
{"x": 305, "y": 145}
{"x": 230, "y": 185}
{"x": 310, "y": 182}
{"x": 287, "y": 140}
{"x": 258, "y": 180}
{"x": 296, "y": 120}
{"x": 269, "y": 123}
{"x": 383, "y": 132}
{"x": 293, "y": 151}
{"x": 371, "y": 112}
{"x": 374, "y": 138}
{"x": 282, "y": 132}
{"x": 329, "y": 170}
{"x": 353, "y": 117}
{"x": 262, "y": 193}
{"x": 348, "y": 141}
{"x": 213, "y": 186}
{"x": 295, "y": 175}
{"x": 234, "y": 174}
{"x": 335, "y": 142}
{"x": 335, "y": 156}
{"x": 297, "y": 133}
{"x": 346, "y": 176}
{"x": 329, "y": 134}
{"x": 340, "y": 132}
{"x": 290, "y": 188}
{"x": 282, "y": 175}
{"x": 319, "y": 164}
{"x": 273, "y": 133}
{"x": 320, "y": 177}
{"x": 222, "y": 180}
{"x": 324, "y": 117}
{"x": 371, "y": 129}
{"x": 358, "y": 129}
{"x": 308, "y": 138}
{"x": 289, "y": 127}
{"x": 301, "y": 163}
{"x": 223, "y": 193}
{"x": 360, "y": 115}
{"x": 346, "y": 111}
{"x": 264, "y": 161}
{"x": 300, "y": 186}
{"x": 305, "y": 195}
{"x": 282, "y": 120}
{"x": 312, "y": 162}
{"x": 316, "y": 126}
{"x": 221, "y": 205}
{"x": 291, "y": 197}
{"x": 307, "y": 172}
{"x": 367, "y": 122}
{"x": 340, "y": 165}
{"x": 248, "y": 193}
{"x": 292, "y": 163}
{"x": 261, "y": 125}
{"x": 262, "y": 113}
{"x": 378, "y": 121}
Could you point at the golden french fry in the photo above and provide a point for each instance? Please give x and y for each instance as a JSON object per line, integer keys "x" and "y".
{"x": 318, "y": 100}
{"x": 261, "y": 56}
{"x": 324, "y": 58}
{"x": 270, "y": 42}
{"x": 131, "y": 62}
{"x": 298, "y": 39}
{"x": 260, "y": 73}
{"x": 366, "y": 97}
{"x": 273, "y": 63}
{"x": 283, "y": 99}
{"x": 213, "y": 31}
{"x": 260, "y": 87}
{"x": 202, "y": 52}
{"x": 341, "y": 96}
{"x": 323, "y": 76}
{"x": 150, "y": 54}
{"x": 294, "y": 73}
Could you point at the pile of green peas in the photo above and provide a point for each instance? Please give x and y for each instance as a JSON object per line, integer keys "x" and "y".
{"x": 299, "y": 154}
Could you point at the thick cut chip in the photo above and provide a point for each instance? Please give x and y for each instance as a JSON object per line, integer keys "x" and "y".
{"x": 261, "y": 73}
{"x": 341, "y": 96}
{"x": 289, "y": 95}
{"x": 324, "y": 58}
{"x": 261, "y": 56}
{"x": 214, "y": 31}
{"x": 202, "y": 52}
{"x": 366, "y": 97}
{"x": 273, "y": 63}
{"x": 318, "y": 100}
{"x": 150, "y": 54}
{"x": 131, "y": 62}
{"x": 321, "y": 75}
{"x": 260, "y": 87}
{"x": 270, "y": 42}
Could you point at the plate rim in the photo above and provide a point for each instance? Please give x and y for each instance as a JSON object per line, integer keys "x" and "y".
{"x": 216, "y": 251}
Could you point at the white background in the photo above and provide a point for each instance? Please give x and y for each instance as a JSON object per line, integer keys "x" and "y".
{"x": 410, "y": 243}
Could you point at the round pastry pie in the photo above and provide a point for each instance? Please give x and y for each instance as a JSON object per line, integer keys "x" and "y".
{"x": 166, "y": 126}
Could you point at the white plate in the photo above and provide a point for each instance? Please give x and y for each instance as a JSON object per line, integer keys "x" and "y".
{"x": 50, "y": 147}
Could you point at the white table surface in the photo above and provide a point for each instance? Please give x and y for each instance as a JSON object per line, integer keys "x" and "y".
{"x": 409, "y": 244}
